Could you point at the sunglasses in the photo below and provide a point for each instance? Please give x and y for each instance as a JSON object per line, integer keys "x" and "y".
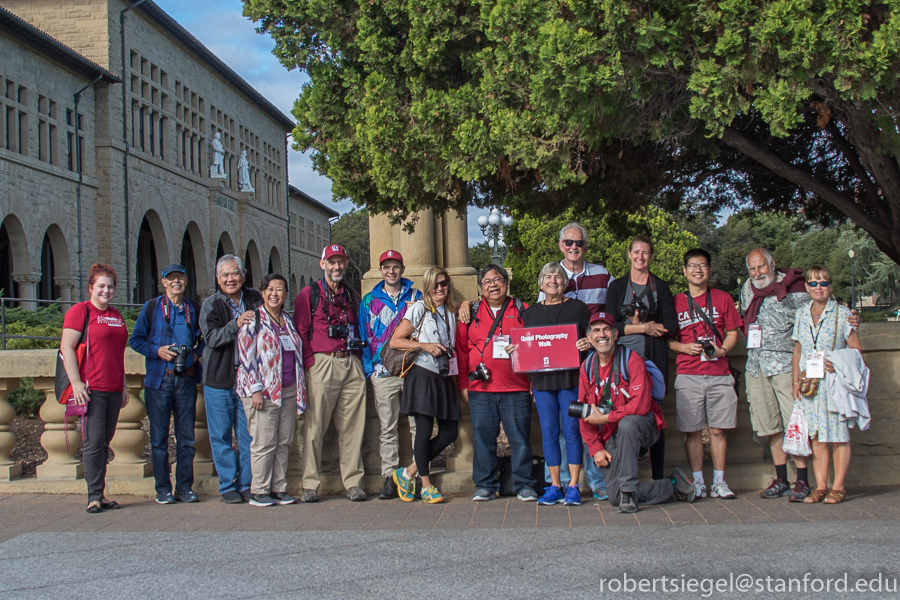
{"x": 578, "y": 243}
{"x": 442, "y": 284}
{"x": 814, "y": 284}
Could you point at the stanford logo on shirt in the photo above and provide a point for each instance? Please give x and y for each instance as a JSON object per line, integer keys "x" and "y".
{"x": 110, "y": 321}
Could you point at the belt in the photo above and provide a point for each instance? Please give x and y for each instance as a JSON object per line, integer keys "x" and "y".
{"x": 338, "y": 354}
{"x": 189, "y": 372}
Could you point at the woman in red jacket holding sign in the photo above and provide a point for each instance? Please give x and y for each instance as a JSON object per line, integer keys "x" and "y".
{"x": 99, "y": 382}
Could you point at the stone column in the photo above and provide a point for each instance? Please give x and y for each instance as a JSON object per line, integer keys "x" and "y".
{"x": 381, "y": 238}
{"x": 418, "y": 247}
{"x": 461, "y": 458}
{"x": 28, "y": 283}
{"x": 8, "y": 469}
{"x": 61, "y": 461}
{"x": 130, "y": 440}
{"x": 456, "y": 256}
{"x": 67, "y": 292}
{"x": 203, "y": 462}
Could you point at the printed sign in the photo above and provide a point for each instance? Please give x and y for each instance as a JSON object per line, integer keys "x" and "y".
{"x": 547, "y": 348}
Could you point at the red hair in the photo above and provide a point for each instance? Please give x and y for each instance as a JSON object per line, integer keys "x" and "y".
{"x": 101, "y": 270}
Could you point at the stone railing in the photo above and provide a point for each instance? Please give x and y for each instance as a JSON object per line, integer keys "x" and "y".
{"x": 876, "y": 453}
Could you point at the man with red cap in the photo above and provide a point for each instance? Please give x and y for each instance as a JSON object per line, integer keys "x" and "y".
{"x": 380, "y": 312}
{"x": 325, "y": 314}
{"x": 622, "y": 419}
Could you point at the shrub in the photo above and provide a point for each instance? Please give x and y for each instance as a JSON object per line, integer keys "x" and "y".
{"x": 26, "y": 400}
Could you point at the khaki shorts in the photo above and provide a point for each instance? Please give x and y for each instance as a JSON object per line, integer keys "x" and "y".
{"x": 771, "y": 402}
{"x": 705, "y": 400}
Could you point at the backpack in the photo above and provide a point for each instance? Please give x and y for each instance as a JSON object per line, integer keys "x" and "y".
{"x": 315, "y": 296}
{"x": 658, "y": 389}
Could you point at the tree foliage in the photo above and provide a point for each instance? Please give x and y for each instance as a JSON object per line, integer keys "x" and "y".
{"x": 352, "y": 232}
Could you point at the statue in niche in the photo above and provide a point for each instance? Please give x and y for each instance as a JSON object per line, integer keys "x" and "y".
{"x": 244, "y": 173}
{"x": 217, "y": 168}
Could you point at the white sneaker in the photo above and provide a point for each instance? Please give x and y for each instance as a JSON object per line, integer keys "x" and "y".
{"x": 700, "y": 489}
{"x": 721, "y": 490}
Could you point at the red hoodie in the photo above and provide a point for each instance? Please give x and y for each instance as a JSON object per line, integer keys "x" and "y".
{"x": 469, "y": 350}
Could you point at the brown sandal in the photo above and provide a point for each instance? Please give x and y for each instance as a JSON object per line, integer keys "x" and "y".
{"x": 835, "y": 496}
{"x": 815, "y": 496}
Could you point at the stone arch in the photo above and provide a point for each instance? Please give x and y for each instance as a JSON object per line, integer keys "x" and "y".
{"x": 152, "y": 254}
{"x": 55, "y": 265}
{"x": 193, "y": 257}
{"x": 294, "y": 288}
{"x": 274, "y": 261}
{"x": 252, "y": 264}
{"x": 15, "y": 258}
{"x": 225, "y": 246}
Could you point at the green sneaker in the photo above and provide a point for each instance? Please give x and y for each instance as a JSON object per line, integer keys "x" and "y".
{"x": 406, "y": 487}
{"x": 431, "y": 495}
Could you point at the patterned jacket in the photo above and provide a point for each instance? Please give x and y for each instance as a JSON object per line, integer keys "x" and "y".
{"x": 260, "y": 360}
{"x": 378, "y": 317}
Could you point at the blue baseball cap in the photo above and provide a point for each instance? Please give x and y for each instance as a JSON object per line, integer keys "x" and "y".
{"x": 173, "y": 268}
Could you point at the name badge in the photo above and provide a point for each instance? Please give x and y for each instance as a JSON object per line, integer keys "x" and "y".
{"x": 754, "y": 336}
{"x": 815, "y": 365}
{"x": 287, "y": 344}
{"x": 454, "y": 366}
{"x": 500, "y": 344}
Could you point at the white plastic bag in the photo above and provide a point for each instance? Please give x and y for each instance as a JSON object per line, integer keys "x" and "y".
{"x": 796, "y": 438}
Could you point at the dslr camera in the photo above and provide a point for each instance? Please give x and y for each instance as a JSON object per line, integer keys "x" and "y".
{"x": 708, "y": 348}
{"x": 443, "y": 363}
{"x": 339, "y": 331}
{"x": 181, "y": 353}
{"x": 357, "y": 344}
{"x": 633, "y": 307}
{"x": 480, "y": 373}
{"x": 582, "y": 410}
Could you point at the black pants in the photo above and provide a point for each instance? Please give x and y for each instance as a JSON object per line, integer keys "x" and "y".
{"x": 621, "y": 475}
{"x": 658, "y": 457}
{"x": 426, "y": 448}
{"x": 99, "y": 428}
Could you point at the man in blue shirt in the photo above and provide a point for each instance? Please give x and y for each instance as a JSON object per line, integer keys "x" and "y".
{"x": 167, "y": 330}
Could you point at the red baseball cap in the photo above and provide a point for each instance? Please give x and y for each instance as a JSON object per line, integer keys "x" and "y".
{"x": 333, "y": 250}
{"x": 390, "y": 255}
{"x": 605, "y": 317}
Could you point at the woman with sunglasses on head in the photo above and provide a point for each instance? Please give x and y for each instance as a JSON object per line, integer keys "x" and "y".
{"x": 819, "y": 326}
{"x": 429, "y": 390}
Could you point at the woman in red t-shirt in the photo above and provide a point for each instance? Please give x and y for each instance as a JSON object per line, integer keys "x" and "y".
{"x": 100, "y": 381}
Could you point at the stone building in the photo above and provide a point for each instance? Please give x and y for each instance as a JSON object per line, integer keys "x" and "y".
{"x": 310, "y": 232}
{"x": 150, "y": 191}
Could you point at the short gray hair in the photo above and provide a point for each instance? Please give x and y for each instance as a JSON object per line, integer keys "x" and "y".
{"x": 230, "y": 258}
{"x": 556, "y": 269}
{"x": 765, "y": 253}
{"x": 579, "y": 227}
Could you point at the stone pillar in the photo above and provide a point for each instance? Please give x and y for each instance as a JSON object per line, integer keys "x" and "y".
{"x": 456, "y": 256}
{"x": 418, "y": 247}
{"x": 130, "y": 440}
{"x": 381, "y": 238}
{"x": 8, "y": 469}
{"x": 461, "y": 458}
{"x": 61, "y": 461}
{"x": 28, "y": 283}
{"x": 203, "y": 462}
{"x": 67, "y": 292}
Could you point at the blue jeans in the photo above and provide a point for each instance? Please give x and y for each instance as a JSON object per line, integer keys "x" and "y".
{"x": 225, "y": 412}
{"x": 592, "y": 473}
{"x": 488, "y": 410}
{"x": 553, "y": 410}
{"x": 176, "y": 396}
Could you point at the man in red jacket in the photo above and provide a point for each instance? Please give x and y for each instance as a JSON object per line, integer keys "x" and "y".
{"x": 624, "y": 419}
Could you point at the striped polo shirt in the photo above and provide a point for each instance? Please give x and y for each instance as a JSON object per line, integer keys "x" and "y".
{"x": 589, "y": 286}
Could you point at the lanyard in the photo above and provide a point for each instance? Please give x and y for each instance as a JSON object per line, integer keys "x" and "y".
{"x": 329, "y": 296}
{"x": 612, "y": 381}
{"x": 818, "y": 329}
{"x": 497, "y": 321}
{"x": 705, "y": 320}
{"x": 170, "y": 323}
{"x": 446, "y": 320}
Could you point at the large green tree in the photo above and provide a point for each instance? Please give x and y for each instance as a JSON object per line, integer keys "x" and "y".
{"x": 541, "y": 105}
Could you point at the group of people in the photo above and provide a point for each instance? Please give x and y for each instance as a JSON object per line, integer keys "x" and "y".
{"x": 261, "y": 367}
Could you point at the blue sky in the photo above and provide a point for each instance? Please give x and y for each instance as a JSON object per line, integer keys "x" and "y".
{"x": 221, "y": 27}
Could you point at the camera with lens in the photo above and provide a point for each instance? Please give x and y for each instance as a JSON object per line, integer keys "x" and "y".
{"x": 582, "y": 410}
{"x": 708, "y": 348}
{"x": 339, "y": 331}
{"x": 443, "y": 362}
{"x": 181, "y": 353}
{"x": 480, "y": 373}
{"x": 633, "y": 307}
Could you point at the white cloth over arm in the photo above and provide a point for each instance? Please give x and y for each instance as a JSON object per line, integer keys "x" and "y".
{"x": 847, "y": 387}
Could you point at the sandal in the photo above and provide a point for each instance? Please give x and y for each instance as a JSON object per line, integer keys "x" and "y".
{"x": 93, "y": 508}
{"x": 109, "y": 504}
{"x": 815, "y": 496}
{"x": 835, "y": 496}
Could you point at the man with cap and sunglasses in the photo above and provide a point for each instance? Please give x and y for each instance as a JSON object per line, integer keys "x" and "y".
{"x": 622, "y": 419}
{"x": 380, "y": 312}
{"x": 326, "y": 317}
{"x": 167, "y": 333}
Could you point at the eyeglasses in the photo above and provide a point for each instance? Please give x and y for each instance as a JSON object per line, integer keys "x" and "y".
{"x": 695, "y": 266}
{"x": 176, "y": 276}
{"x": 814, "y": 284}
{"x": 391, "y": 267}
{"x": 442, "y": 283}
{"x": 495, "y": 281}
{"x": 578, "y": 243}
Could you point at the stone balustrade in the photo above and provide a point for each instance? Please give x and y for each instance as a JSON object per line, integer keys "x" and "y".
{"x": 876, "y": 453}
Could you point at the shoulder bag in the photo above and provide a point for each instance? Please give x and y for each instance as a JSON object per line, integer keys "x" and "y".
{"x": 62, "y": 386}
{"x": 399, "y": 362}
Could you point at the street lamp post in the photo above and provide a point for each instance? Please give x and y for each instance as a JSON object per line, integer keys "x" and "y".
{"x": 852, "y": 255}
{"x": 495, "y": 227}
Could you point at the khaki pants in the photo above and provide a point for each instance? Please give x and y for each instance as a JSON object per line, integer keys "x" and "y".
{"x": 387, "y": 405}
{"x": 771, "y": 402}
{"x": 337, "y": 392}
{"x": 271, "y": 432}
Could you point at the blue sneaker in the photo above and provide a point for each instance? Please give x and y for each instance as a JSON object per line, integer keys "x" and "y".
{"x": 573, "y": 496}
{"x": 406, "y": 487}
{"x": 601, "y": 494}
{"x": 552, "y": 495}
{"x": 165, "y": 498}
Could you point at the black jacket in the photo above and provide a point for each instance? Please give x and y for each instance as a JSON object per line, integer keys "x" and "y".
{"x": 220, "y": 332}
{"x": 655, "y": 349}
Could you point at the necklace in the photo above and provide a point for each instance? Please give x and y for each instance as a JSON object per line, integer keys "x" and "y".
{"x": 277, "y": 319}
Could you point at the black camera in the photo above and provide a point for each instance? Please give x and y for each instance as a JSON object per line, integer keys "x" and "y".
{"x": 582, "y": 410}
{"x": 480, "y": 373}
{"x": 635, "y": 306}
{"x": 708, "y": 348}
{"x": 181, "y": 353}
{"x": 443, "y": 363}
{"x": 357, "y": 344}
{"x": 339, "y": 331}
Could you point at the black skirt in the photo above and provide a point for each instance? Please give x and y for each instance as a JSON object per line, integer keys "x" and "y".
{"x": 427, "y": 393}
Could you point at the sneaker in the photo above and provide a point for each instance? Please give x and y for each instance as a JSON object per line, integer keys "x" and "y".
{"x": 246, "y": 495}
{"x": 283, "y": 498}
{"x": 776, "y": 489}
{"x": 186, "y": 497}
{"x": 628, "y": 503}
{"x": 527, "y": 494}
{"x": 601, "y": 494}
{"x": 431, "y": 495}
{"x": 406, "y": 487}
{"x": 573, "y": 496}
{"x": 355, "y": 494}
{"x": 699, "y": 490}
{"x": 483, "y": 495}
{"x": 261, "y": 500}
{"x": 232, "y": 497}
{"x": 308, "y": 496}
{"x": 684, "y": 490}
{"x": 721, "y": 490}
{"x": 801, "y": 490}
{"x": 390, "y": 489}
{"x": 552, "y": 495}
{"x": 165, "y": 498}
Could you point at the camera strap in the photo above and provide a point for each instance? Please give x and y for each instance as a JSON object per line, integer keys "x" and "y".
{"x": 437, "y": 327}
{"x": 613, "y": 380}
{"x": 650, "y": 287}
{"x": 703, "y": 315}
{"x": 497, "y": 319}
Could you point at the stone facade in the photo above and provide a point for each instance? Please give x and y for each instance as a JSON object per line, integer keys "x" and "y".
{"x": 310, "y": 231}
{"x": 177, "y": 96}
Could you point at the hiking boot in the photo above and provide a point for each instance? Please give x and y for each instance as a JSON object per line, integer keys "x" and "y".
{"x": 800, "y": 492}
{"x": 776, "y": 489}
{"x": 308, "y": 496}
{"x": 628, "y": 503}
{"x": 390, "y": 489}
{"x": 683, "y": 487}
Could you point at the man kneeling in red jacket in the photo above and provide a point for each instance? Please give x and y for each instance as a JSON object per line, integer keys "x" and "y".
{"x": 624, "y": 418}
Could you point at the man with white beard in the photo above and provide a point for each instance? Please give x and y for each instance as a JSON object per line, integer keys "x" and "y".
{"x": 770, "y": 299}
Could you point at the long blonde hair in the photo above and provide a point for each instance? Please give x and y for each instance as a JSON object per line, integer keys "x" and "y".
{"x": 429, "y": 283}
